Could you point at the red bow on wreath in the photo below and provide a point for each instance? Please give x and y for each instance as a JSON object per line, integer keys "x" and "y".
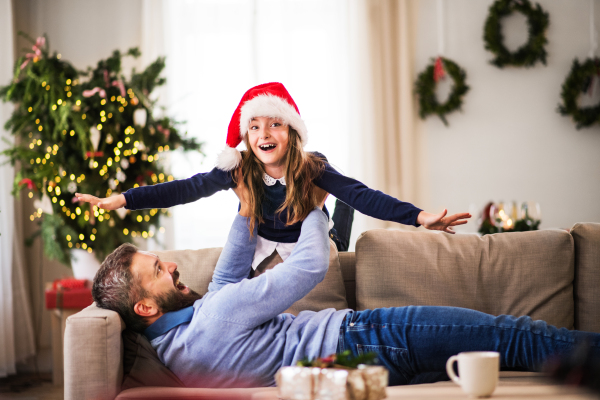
{"x": 438, "y": 70}
{"x": 26, "y": 181}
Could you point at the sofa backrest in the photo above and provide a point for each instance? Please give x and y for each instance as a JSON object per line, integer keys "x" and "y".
{"x": 587, "y": 276}
{"x": 523, "y": 273}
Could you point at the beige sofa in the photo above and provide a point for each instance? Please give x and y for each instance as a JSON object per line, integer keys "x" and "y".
{"x": 552, "y": 275}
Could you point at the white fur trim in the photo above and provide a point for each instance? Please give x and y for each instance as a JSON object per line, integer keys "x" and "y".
{"x": 268, "y": 105}
{"x": 228, "y": 159}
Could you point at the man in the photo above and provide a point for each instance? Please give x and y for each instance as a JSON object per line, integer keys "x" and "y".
{"x": 237, "y": 336}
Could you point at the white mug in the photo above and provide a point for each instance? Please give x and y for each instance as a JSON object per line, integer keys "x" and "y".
{"x": 478, "y": 372}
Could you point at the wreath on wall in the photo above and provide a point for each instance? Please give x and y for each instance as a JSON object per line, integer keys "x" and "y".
{"x": 532, "y": 51}
{"x": 427, "y": 81}
{"x": 579, "y": 81}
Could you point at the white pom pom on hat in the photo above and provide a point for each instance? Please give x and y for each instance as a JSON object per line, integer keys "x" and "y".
{"x": 266, "y": 100}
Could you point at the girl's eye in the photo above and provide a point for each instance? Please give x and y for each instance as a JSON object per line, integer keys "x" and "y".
{"x": 253, "y": 127}
{"x": 275, "y": 124}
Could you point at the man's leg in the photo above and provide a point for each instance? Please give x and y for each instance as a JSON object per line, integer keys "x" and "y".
{"x": 420, "y": 339}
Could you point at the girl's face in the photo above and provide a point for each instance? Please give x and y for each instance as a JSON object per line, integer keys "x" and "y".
{"x": 268, "y": 138}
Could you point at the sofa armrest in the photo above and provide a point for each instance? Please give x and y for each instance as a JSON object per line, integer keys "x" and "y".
{"x": 93, "y": 354}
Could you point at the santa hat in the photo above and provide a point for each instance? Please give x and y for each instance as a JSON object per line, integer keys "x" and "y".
{"x": 266, "y": 100}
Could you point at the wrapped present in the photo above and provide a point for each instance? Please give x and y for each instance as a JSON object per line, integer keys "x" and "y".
{"x": 312, "y": 383}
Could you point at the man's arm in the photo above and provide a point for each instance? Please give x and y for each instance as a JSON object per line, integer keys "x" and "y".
{"x": 235, "y": 260}
{"x": 252, "y": 302}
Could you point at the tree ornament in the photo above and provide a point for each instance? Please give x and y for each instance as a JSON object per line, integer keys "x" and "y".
{"x": 532, "y": 51}
{"x": 139, "y": 117}
{"x": 124, "y": 163}
{"x": 44, "y": 204}
{"x": 72, "y": 187}
{"x": 579, "y": 81}
{"x": 95, "y": 137}
{"x": 425, "y": 89}
{"x": 109, "y": 139}
{"x": 121, "y": 177}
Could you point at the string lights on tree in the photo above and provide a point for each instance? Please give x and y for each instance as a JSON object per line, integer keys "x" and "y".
{"x": 89, "y": 132}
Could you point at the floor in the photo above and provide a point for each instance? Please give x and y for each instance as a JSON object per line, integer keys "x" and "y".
{"x": 30, "y": 387}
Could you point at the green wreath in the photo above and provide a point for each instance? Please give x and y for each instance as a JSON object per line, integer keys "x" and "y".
{"x": 425, "y": 89}
{"x": 532, "y": 51}
{"x": 577, "y": 82}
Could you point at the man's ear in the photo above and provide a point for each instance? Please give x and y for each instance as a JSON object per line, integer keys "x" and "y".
{"x": 146, "y": 308}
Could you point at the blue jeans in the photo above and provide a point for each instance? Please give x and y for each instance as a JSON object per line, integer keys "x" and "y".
{"x": 418, "y": 340}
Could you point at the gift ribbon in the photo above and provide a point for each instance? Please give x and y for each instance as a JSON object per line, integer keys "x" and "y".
{"x": 92, "y": 154}
{"x": 28, "y": 182}
{"x": 90, "y": 93}
{"x": 37, "y": 52}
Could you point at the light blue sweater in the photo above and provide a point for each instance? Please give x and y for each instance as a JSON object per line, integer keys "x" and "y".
{"x": 236, "y": 335}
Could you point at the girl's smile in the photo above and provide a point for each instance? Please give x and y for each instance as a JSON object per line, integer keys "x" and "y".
{"x": 268, "y": 138}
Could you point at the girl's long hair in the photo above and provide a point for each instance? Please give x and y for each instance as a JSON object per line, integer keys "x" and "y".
{"x": 301, "y": 169}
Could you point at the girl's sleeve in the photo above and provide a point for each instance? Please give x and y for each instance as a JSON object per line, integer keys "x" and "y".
{"x": 169, "y": 194}
{"x": 370, "y": 202}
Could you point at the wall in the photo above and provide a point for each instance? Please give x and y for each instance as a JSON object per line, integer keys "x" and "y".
{"x": 83, "y": 32}
{"x": 509, "y": 143}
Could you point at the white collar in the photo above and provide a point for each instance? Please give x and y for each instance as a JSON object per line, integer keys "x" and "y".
{"x": 270, "y": 181}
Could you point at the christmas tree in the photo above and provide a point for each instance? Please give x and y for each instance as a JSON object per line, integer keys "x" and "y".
{"x": 89, "y": 132}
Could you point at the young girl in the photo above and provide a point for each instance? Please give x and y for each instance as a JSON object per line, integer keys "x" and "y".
{"x": 280, "y": 177}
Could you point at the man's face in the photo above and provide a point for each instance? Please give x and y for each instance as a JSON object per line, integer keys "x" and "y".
{"x": 160, "y": 279}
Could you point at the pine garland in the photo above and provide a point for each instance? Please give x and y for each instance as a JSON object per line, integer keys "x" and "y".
{"x": 578, "y": 81}
{"x": 425, "y": 90}
{"x": 532, "y": 51}
{"x": 59, "y": 114}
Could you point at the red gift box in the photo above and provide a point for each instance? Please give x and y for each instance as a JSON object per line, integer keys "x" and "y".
{"x": 73, "y": 294}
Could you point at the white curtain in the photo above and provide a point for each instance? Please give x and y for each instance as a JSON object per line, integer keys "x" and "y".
{"x": 16, "y": 331}
{"x": 320, "y": 50}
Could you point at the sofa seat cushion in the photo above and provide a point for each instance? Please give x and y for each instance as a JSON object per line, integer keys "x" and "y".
{"x": 522, "y": 273}
{"x": 161, "y": 393}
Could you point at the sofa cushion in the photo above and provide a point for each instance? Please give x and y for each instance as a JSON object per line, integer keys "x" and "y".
{"x": 587, "y": 276}
{"x": 329, "y": 293}
{"x": 195, "y": 266}
{"x": 522, "y": 273}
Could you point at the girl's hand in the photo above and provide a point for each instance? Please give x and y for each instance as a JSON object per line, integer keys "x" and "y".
{"x": 440, "y": 222}
{"x": 241, "y": 192}
{"x": 107, "y": 203}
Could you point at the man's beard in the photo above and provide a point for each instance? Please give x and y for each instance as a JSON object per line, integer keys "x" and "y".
{"x": 175, "y": 299}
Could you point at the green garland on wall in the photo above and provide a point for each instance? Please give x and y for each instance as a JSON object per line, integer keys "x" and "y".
{"x": 532, "y": 51}
{"x": 578, "y": 81}
{"x": 425, "y": 90}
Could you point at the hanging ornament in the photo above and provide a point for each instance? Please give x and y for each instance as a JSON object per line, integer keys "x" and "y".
{"x": 109, "y": 138}
{"x": 121, "y": 177}
{"x": 124, "y": 163}
{"x": 532, "y": 51}
{"x": 72, "y": 187}
{"x": 425, "y": 89}
{"x": 141, "y": 146}
{"x": 91, "y": 163}
{"x": 95, "y": 137}
{"x": 44, "y": 204}
{"x": 61, "y": 171}
{"x": 581, "y": 80}
{"x": 139, "y": 117}
{"x": 438, "y": 70}
{"x": 112, "y": 185}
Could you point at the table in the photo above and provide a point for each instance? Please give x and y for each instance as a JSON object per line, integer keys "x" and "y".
{"x": 512, "y": 385}
{"x": 63, "y": 303}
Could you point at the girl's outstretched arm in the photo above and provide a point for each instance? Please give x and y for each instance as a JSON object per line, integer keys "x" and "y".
{"x": 441, "y": 222}
{"x": 107, "y": 203}
{"x": 168, "y": 194}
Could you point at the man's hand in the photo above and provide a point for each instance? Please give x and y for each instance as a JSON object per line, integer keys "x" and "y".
{"x": 440, "y": 222}
{"x": 321, "y": 196}
{"x": 241, "y": 191}
{"x": 107, "y": 203}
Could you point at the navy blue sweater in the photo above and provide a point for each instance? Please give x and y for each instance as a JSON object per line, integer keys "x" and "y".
{"x": 352, "y": 192}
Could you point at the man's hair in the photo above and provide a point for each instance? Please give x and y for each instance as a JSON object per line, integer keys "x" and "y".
{"x": 115, "y": 288}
